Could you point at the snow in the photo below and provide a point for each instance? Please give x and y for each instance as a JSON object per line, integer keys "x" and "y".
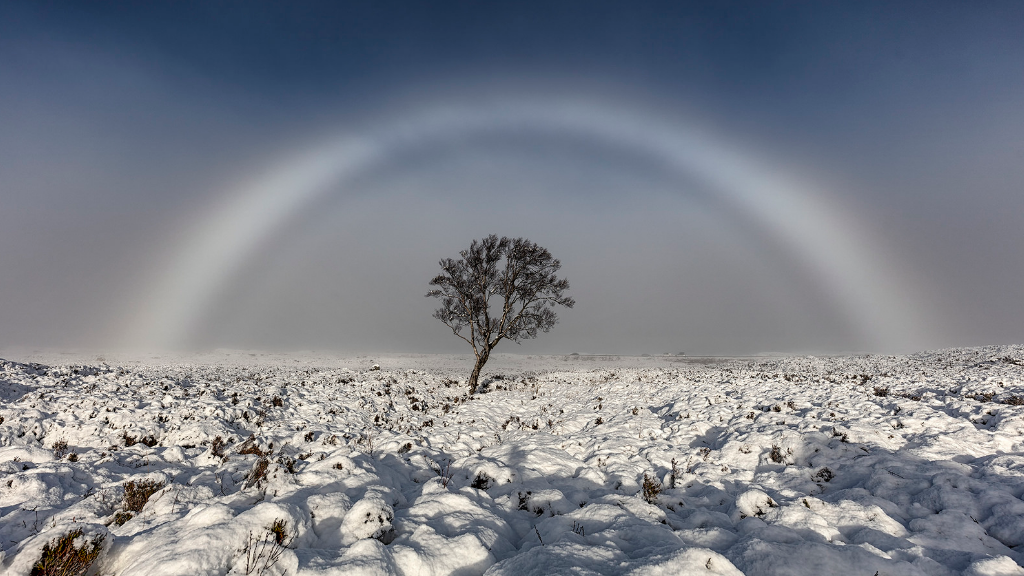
{"x": 900, "y": 465}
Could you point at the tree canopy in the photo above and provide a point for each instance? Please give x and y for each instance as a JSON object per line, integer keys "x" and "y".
{"x": 516, "y": 272}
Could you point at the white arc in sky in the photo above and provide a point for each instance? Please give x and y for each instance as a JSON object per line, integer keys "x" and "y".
{"x": 810, "y": 226}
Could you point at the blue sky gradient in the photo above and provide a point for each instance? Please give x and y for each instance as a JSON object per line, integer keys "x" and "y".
{"x": 125, "y": 125}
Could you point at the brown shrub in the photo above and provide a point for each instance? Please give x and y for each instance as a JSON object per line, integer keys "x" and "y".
{"x": 217, "y": 447}
{"x": 650, "y": 488}
{"x": 250, "y": 447}
{"x": 129, "y": 440}
{"x": 61, "y": 558}
{"x": 258, "y": 473}
{"x": 60, "y": 449}
{"x": 136, "y": 494}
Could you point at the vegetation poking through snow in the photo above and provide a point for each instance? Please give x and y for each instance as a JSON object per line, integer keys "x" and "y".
{"x": 69, "y": 555}
{"x": 60, "y": 449}
{"x": 263, "y": 551}
{"x": 137, "y": 493}
{"x": 650, "y": 489}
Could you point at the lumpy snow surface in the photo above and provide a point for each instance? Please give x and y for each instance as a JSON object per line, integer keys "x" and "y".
{"x": 263, "y": 464}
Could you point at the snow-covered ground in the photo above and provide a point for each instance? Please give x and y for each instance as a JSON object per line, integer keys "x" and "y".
{"x": 843, "y": 465}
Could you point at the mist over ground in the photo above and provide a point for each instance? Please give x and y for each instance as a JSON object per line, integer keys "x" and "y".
{"x": 717, "y": 179}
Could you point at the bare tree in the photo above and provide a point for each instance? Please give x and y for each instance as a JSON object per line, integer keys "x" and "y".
{"x": 526, "y": 286}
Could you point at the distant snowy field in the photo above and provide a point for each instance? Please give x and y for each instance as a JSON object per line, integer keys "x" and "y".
{"x": 906, "y": 465}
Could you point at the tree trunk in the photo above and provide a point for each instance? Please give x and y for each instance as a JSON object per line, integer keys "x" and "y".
{"x": 475, "y": 376}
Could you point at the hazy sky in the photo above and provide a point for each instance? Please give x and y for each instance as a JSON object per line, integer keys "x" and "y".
{"x": 716, "y": 177}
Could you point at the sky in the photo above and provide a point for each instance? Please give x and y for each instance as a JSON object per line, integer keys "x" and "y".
{"x": 715, "y": 177}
